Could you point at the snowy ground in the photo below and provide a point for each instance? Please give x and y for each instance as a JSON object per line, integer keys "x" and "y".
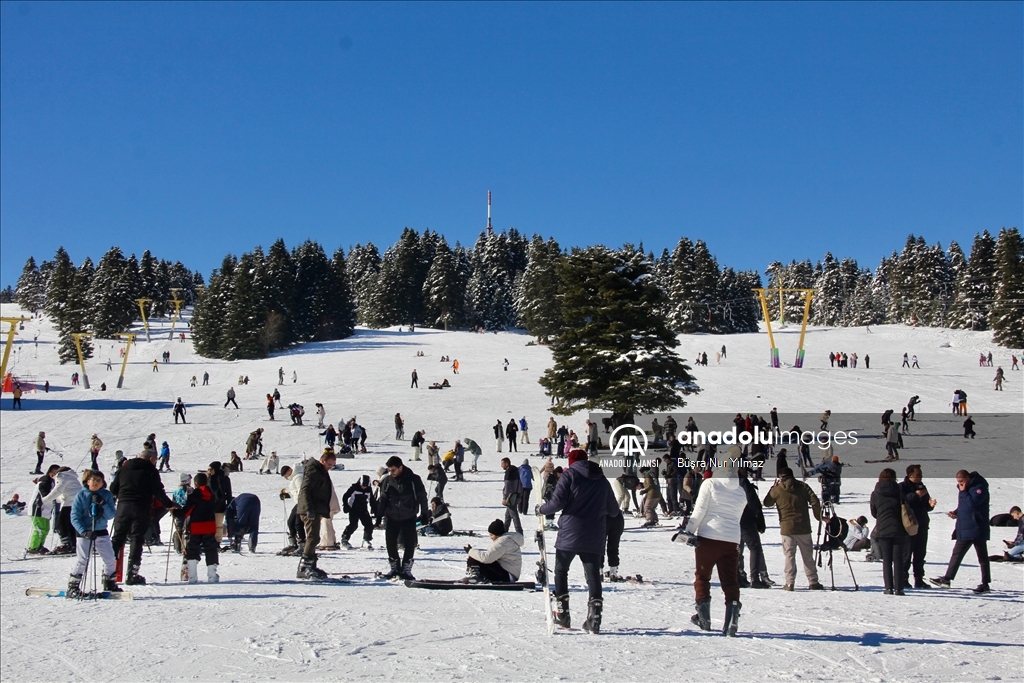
{"x": 251, "y": 626}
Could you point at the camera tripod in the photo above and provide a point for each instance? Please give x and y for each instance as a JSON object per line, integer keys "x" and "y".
{"x": 835, "y": 530}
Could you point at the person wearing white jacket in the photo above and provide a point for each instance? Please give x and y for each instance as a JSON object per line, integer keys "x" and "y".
{"x": 66, "y": 486}
{"x": 716, "y": 524}
{"x": 502, "y": 562}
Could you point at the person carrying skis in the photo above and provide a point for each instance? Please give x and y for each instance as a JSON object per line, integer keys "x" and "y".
{"x": 586, "y": 500}
{"x": 198, "y": 513}
{"x": 314, "y": 504}
{"x": 501, "y": 563}
{"x": 242, "y": 517}
{"x": 92, "y": 509}
{"x": 715, "y": 522}
{"x": 402, "y": 499}
{"x": 136, "y": 485}
{"x": 356, "y": 502}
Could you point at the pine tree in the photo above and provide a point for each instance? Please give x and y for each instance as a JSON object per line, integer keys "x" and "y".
{"x": 7, "y": 295}
{"x": 363, "y": 267}
{"x": 537, "y": 302}
{"x": 491, "y": 286}
{"x": 399, "y": 296}
{"x": 30, "y": 293}
{"x": 827, "y": 304}
{"x": 211, "y": 309}
{"x": 682, "y": 289}
{"x": 443, "y": 292}
{"x": 245, "y": 315}
{"x": 1006, "y": 316}
{"x": 313, "y": 292}
{"x": 612, "y": 354}
{"x": 976, "y": 287}
{"x": 111, "y": 295}
{"x": 342, "y": 304}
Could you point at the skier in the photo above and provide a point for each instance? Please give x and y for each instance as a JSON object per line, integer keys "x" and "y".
{"x": 314, "y": 504}
{"x": 41, "y": 512}
{"x": 499, "y": 436}
{"x": 415, "y": 380}
{"x": 65, "y": 487}
{"x": 270, "y": 406}
{"x": 437, "y": 474}
{"x": 510, "y": 432}
{"x": 356, "y": 502}
{"x": 94, "y": 452}
{"x": 399, "y": 427}
{"x": 179, "y": 411}
{"x": 906, "y": 361}
{"x": 511, "y": 493}
{"x": 1014, "y": 366}
{"x": 585, "y": 498}
{"x": 915, "y": 362}
{"x": 280, "y": 376}
{"x": 41, "y": 449}
{"x": 156, "y": 366}
{"x": 998, "y": 379}
{"x": 320, "y": 414}
{"x": 330, "y": 436}
{"x": 92, "y": 508}
{"x": 231, "y": 398}
{"x": 192, "y": 382}
{"x": 501, "y": 563}
{"x": 416, "y": 442}
{"x": 716, "y": 523}
{"x": 524, "y": 434}
{"x": 165, "y": 457}
{"x": 242, "y": 517}
{"x": 402, "y": 498}
{"x": 972, "y": 528}
{"x": 793, "y": 498}
{"x": 475, "y": 449}
{"x": 198, "y": 512}
{"x": 440, "y": 519}
{"x": 136, "y": 485}
{"x": 296, "y": 529}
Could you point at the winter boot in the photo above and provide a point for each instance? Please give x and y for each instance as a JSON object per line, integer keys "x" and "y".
{"x": 236, "y": 545}
{"x": 366, "y": 545}
{"x": 562, "y": 617}
{"x": 702, "y": 619}
{"x": 406, "y": 572}
{"x": 473, "y": 574}
{"x": 732, "y": 617}
{"x": 110, "y": 584}
{"x": 759, "y": 583}
{"x": 345, "y": 544}
{"x": 63, "y": 549}
{"x": 74, "y": 587}
{"x": 613, "y": 574}
{"x": 211, "y": 574}
{"x": 593, "y": 621}
{"x": 396, "y": 569}
{"x": 743, "y": 581}
{"x": 134, "y": 578}
{"x": 193, "y": 571}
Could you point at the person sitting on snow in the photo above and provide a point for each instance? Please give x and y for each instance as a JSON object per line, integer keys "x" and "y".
{"x": 501, "y": 563}
{"x": 440, "y": 520}
{"x": 857, "y": 537}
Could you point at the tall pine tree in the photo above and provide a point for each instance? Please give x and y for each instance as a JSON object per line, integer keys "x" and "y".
{"x": 1006, "y": 316}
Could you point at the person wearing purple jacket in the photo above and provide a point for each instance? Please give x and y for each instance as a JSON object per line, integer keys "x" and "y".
{"x": 585, "y": 498}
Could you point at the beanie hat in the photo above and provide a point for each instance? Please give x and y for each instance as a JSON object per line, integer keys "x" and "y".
{"x": 364, "y": 480}
{"x": 185, "y": 478}
{"x": 577, "y": 454}
{"x": 497, "y": 527}
{"x": 394, "y": 461}
{"x": 381, "y": 471}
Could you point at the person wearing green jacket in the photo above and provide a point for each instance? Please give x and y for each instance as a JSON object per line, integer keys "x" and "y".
{"x": 793, "y": 498}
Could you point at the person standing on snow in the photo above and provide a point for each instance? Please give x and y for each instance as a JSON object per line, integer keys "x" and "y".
{"x": 94, "y": 452}
{"x": 399, "y": 427}
{"x": 511, "y": 494}
{"x": 402, "y": 499}
{"x": 510, "y": 432}
{"x": 356, "y": 502}
{"x": 716, "y": 522}
{"x": 526, "y": 477}
{"x": 499, "y": 436}
{"x": 793, "y": 498}
{"x": 415, "y": 380}
{"x": 585, "y": 499}
{"x": 91, "y": 509}
{"x": 416, "y": 442}
{"x": 972, "y": 529}
{"x": 313, "y": 505}
{"x": 524, "y": 434}
{"x": 231, "y": 398}
{"x": 136, "y": 485}
{"x": 41, "y": 450}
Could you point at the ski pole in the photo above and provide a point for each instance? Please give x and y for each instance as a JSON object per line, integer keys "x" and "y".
{"x": 167, "y": 568}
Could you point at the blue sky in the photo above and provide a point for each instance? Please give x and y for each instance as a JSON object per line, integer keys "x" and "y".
{"x": 771, "y": 131}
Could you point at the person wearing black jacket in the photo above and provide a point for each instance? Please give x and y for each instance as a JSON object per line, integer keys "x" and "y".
{"x": 751, "y": 527}
{"x": 202, "y": 526}
{"x": 242, "y": 517}
{"x": 356, "y": 502}
{"x": 220, "y": 485}
{"x": 313, "y": 505}
{"x": 920, "y": 503}
{"x": 891, "y": 536}
{"x": 416, "y": 442}
{"x": 402, "y": 499}
{"x": 671, "y": 474}
{"x": 135, "y": 486}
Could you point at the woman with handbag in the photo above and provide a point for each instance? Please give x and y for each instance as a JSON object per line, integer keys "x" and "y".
{"x": 887, "y": 507}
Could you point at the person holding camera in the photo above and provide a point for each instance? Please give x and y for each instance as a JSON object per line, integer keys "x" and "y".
{"x": 793, "y": 498}
{"x": 313, "y": 505}
{"x": 715, "y": 528}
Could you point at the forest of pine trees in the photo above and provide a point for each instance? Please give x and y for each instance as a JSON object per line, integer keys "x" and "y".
{"x": 262, "y": 302}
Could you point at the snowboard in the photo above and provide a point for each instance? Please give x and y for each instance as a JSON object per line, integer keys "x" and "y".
{"x": 58, "y": 593}
{"x": 438, "y": 584}
{"x": 542, "y": 567}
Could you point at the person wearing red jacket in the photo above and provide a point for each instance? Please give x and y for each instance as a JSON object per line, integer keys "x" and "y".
{"x": 199, "y": 509}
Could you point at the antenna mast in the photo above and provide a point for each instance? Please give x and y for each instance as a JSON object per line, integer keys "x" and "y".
{"x": 489, "y": 231}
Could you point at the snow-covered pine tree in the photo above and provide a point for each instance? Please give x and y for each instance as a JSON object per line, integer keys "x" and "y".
{"x": 314, "y": 288}
{"x": 399, "y": 298}
{"x": 278, "y": 294}
{"x": 976, "y": 287}
{"x": 537, "y": 302}
{"x": 342, "y": 308}
{"x": 245, "y": 315}
{"x": 827, "y": 304}
{"x": 363, "y": 267}
{"x": 211, "y": 308}
{"x": 682, "y": 290}
{"x": 443, "y": 292}
{"x": 1006, "y": 316}
{"x": 31, "y": 291}
{"x": 7, "y": 295}
{"x": 933, "y": 287}
{"x": 612, "y": 354}
{"x": 491, "y": 286}
{"x": 112, "y": 295}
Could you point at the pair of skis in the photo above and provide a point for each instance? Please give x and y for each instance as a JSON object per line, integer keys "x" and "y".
{"x": 58, "y": 593}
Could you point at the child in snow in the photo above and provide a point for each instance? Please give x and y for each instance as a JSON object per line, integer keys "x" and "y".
{"x": 92, "y": 508}
{"x": 198, "y": 513}
{"x": 179, "y": 496}
{"x": 440, "y": 520}
{"x": 14, "y": 506}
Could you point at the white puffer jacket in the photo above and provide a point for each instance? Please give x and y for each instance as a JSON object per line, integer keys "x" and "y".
{"x": 295, "y": 483}
{"x": 66, "y": 486}
{"x": 505, "y": 551}
{"x": 720, "y": 504}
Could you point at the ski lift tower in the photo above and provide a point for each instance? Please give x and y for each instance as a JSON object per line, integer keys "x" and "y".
{"x": 177, "y": 308}
{"x": 10, "y": 341}
{"x": 808, "y": 294}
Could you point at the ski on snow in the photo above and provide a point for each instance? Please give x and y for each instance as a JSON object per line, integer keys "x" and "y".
{"x": 59, "y": 593}
{"x": 438, "y": 584}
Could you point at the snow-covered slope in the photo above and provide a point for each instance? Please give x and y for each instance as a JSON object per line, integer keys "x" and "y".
{"x": 251, "y": 626}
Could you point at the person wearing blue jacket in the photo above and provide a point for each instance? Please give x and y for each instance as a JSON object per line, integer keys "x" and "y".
{"x": 586, "y": 500}
{"x": 91, "y": 510}
{"x": 526, "y": 478}
{"x": 242, "y": 517}
{"x": 972, "y": 529}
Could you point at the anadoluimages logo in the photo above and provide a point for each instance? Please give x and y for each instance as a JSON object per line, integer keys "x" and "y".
{"x": 625, "y": 441}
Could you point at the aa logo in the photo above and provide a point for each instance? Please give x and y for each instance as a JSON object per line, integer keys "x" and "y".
{"x": 626, "y": 440}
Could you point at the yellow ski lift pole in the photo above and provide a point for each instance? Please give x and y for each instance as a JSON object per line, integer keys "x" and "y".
{"x": 130, "y": 337}
{"x": 78, "y": 337}
{"x": 10, "y": 342}
{"x": 142, "y": 309}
